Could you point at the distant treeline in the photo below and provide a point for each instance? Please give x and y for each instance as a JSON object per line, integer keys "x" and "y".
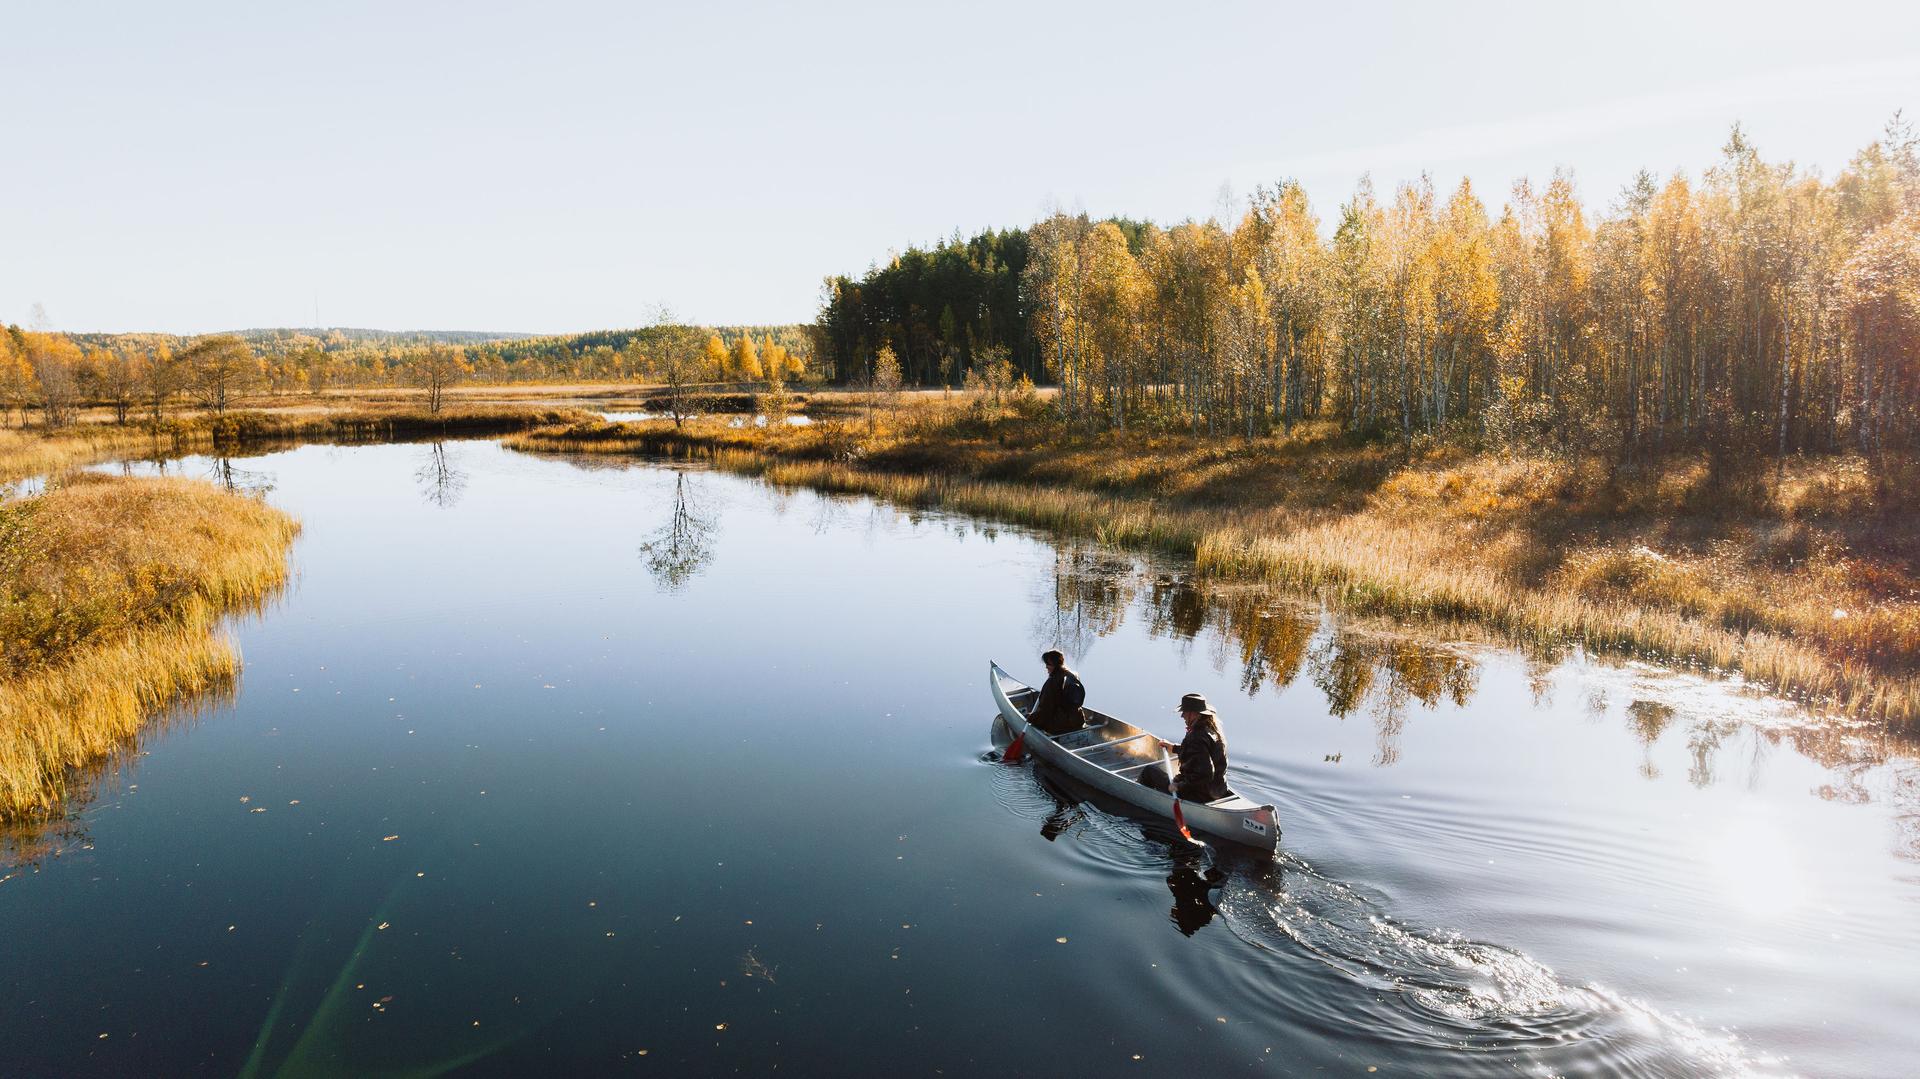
{"x": 1760, "y": 306}
{"x": 147, "y": 374}
{"x": 354, "y": 357}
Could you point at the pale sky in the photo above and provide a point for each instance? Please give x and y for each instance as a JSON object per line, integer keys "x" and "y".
{"x": 563, "y": 166}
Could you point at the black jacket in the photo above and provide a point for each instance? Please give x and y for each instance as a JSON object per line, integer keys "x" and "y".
{"x": 1203, "y": 766}
{"x": 1054, "y": 712}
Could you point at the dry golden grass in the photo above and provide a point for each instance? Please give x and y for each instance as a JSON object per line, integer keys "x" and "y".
{"x": 1806, "y": 584}
{"x": 110, "y": 592}
{"x": 36, "y": 451}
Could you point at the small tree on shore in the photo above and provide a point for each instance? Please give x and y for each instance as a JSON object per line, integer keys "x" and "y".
{"x": 159, "y": 381}
{"x": 886, "y": 379}
{"x": 991, "y": 377}
{"x": 218, "y": 369}
{"x": 16, "y": 375}
{"x": 435, "y": 369}
{"x": 119, "y": 375}
{"x": 676, "y": 363}
{"x": 55, "y": 361}
{"x": 776, "y": 402}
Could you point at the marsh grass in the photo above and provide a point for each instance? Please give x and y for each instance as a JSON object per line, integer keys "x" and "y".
{"x": 110, "y": 593}
{"x": 28, "y": 452}
{"x": 1804, "y": 583}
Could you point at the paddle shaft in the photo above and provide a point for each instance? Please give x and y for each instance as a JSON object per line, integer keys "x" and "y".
{"x": 1179, "y": 818}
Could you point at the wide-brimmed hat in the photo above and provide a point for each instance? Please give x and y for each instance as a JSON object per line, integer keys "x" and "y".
{"x": 1194, "y": 702}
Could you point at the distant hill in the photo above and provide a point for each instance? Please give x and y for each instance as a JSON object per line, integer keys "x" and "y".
{"x": 329, "y": 339}
{"x": 380, "y": 337}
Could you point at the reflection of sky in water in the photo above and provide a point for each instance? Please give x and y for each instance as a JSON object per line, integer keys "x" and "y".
{"x": 619, "y": 771}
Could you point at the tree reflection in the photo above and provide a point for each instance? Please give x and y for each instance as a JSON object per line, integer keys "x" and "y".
{"x": 1176, "y": 608}
{"x": 1703, "y": 741}
{"x": 1273, "y": 638}
{"x": 238, "y": 480}
{"x": 1088, "y": 598}
{"x": 1648, "y": 721}
{"x": 682, "y": 546}
{"x": 1353, "y": 668}
{"x": 441, "y": 481}
{"x": 1367, "y": 667}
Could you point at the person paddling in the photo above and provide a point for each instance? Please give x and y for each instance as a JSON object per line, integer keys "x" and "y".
{"x": 1059, "y": 708}
{"x": 1202, "y": 755}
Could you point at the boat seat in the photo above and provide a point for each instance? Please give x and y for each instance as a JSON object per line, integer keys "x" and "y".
{"x": 1099, "y": 745}
{"x": 1082, "y": 738}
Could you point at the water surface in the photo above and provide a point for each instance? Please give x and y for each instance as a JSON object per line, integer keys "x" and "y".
{"x": 550, "y": 765}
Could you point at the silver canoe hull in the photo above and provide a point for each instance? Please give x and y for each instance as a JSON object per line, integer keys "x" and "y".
{"x": 1108, "y": 756}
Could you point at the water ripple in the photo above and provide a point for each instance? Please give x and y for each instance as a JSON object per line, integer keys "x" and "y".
{"x": 1329, "y": 964}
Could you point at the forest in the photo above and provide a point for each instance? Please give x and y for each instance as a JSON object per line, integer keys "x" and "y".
{"x": 1757, "y": 307}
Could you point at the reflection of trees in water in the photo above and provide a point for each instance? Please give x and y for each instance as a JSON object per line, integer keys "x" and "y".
{"x": 1273, "y": 639}
{"x": 441, "y": 480}
{"x": 1175, "y": 608}
{"x": 1867, "y": 765}
{"x": 1703, "y": 741}
{"x": 238, "y": 480}
{"x": 1541, "y": 665}
{"x": 682, "y": 546}
{"x": 1087, "y": 599}
{"x": 1277, "y": 639}
{"x": 829, "y": 513}
{"x": 1353, "y": 668}
{"x": 1648, "y": 720}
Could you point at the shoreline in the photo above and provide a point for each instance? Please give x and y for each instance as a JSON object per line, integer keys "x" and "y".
{"x": 1445, "y": 539}
{"x": 111, "y": 603}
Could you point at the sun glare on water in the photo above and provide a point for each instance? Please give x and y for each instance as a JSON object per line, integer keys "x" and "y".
{"x": 1756, "y": 868}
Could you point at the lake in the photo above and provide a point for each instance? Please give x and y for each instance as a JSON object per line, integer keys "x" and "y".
{"x": 585, "y": 766}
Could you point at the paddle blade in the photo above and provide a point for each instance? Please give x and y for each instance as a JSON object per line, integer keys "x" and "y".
{"x": 1180, "y": 820}
{"x": 1016, "y": 750}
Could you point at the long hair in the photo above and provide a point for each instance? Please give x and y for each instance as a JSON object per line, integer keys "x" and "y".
{"x": 1211, "y": 724}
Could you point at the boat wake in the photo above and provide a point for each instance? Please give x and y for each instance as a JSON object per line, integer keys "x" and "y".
{"x": 1429, "y": 991}
{"x": 1344, "y": 979}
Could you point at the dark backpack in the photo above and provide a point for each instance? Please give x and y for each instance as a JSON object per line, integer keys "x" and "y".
{"x": 1072, "y": 691}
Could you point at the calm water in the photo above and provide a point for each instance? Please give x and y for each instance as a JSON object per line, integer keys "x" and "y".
{"x": 547, "y": 767}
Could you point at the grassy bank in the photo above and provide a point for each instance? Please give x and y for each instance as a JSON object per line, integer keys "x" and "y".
{"x": 35, "y": 451}
{"x": 110, "y": 589}
{"x": 1804, "y": 582}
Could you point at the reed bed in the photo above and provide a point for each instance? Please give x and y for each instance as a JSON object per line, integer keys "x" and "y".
{"x": 1798, "y": 587}
{"x": 111, "y": 590}
{"x": 28, "y": 452}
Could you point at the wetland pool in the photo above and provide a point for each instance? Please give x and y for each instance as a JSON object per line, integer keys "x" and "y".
{"x": 554, "y": 764}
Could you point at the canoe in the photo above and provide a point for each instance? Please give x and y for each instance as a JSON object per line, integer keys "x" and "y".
{"x": 1109, "y": 755}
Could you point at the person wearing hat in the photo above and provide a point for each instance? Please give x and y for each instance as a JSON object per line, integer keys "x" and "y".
{"x": 1202, "y": 755}
{"x": 1061, "y": 696}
